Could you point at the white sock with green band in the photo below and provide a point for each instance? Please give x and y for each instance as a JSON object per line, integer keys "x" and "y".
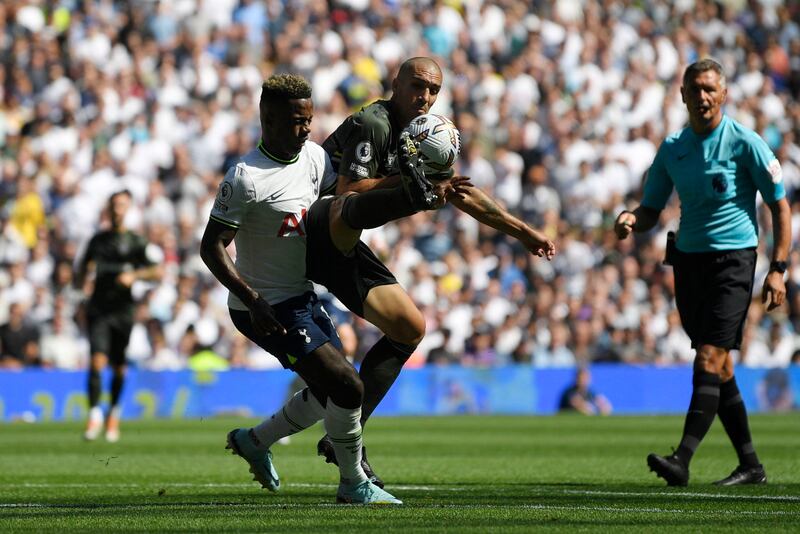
{"x": 344, "y": 429}
{"x": 299, "y": 413}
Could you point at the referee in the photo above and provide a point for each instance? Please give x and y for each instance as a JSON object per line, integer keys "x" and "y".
{"x": 717, "y": 166}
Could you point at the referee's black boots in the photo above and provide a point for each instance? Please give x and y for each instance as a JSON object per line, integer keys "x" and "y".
{"x": 670, "y": 468}
{"x": 744, "y": 474}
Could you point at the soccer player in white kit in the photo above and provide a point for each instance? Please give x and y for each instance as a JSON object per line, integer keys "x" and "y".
{"x": 261, "y": 205}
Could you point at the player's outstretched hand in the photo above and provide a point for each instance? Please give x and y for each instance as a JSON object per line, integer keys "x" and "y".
{"x": 263, "y": 318}
{"x": 538, "y": 244}
{"x": 624, "y": 224}
{"x": 774, "y": 292}
{"x": 448, "y": 187}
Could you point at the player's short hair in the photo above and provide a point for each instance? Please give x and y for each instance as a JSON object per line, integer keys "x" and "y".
{"x": 280, "y": 88}
{"x": 115, "y": 194}
{"x": 702, "y": 66}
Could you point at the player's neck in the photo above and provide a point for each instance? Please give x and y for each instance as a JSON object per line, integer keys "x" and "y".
{"x": 705, "y": 128}
{"x": 275, "y": 153}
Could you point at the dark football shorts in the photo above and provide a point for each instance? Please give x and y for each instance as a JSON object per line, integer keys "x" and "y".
{"x": 348, "y": 277}
{"x": 109, "y": 334}
{"x": 713, "y": 292}
{"x": 307, "y": 325}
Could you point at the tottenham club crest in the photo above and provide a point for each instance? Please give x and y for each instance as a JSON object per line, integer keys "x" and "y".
{"x": 364, "y": 152}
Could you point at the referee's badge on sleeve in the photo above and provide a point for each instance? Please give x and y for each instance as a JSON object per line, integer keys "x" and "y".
{"x": 775, "y": 171}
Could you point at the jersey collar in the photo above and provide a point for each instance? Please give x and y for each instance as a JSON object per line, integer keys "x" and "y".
{"x": 274, "y": 158}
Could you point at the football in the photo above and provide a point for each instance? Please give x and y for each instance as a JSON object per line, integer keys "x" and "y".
{"x": 438, "y": 139}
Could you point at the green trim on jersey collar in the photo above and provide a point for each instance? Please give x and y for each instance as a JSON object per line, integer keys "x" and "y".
{"x": 264, "y": 151}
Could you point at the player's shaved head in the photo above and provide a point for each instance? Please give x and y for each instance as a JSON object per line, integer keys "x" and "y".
{"x": 409, "y": 66}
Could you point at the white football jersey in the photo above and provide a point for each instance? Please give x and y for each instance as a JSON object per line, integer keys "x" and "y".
{"x": 266, "y": 200}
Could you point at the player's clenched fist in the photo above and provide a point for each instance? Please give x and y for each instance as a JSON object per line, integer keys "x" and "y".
{"x": 624, "y": 224}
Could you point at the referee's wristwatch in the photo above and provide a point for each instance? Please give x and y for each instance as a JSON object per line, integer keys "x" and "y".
{"x": 778, "y": 266}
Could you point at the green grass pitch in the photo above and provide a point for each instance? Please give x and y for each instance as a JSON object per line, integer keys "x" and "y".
{"x": 455, "y": 474}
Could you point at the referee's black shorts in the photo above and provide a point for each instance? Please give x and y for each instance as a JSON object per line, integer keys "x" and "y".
{"x": 713, "y": 292}
{"x": 348, "y": 277}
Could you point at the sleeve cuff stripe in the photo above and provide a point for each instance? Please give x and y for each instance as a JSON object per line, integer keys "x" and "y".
{"x": 223, "y": 221}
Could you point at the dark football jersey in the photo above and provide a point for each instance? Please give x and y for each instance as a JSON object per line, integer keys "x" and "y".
{"x": 114, "y": 253}
{"x": 365, "y": 144}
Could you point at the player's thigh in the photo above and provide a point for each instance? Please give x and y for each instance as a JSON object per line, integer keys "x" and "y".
{"x": 100, "y": 335}
{"x": 391, "y": 309}
{"x": 688, "y": 293}
{"x": 728, "y": 293}
{"x": 307, "y": 328}
{"x": 121, "y": 327}
{"x": 343, "y": 237}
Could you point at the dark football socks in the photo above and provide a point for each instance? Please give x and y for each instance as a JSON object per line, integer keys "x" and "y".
{"x": 702, "y": 410}
{"x": 94, "y": 388}
{"x": 381, "y": 366}
{"x": 117, "y": 381}
{"x": 375, "y": 208}
{"x": 733, "y": 415}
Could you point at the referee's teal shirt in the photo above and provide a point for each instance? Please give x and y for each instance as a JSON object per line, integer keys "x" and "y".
{"x": 716, "y": 176}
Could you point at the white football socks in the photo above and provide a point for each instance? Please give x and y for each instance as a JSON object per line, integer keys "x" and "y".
{"x": 344, "y": 429}
{"x": 299, "y": 413}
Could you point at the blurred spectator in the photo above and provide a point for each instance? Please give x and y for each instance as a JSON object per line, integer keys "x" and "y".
{"x": 581, "y": 398}
{"x": 19, "y": 340}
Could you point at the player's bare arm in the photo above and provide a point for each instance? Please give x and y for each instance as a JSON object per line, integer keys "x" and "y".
{"x": 641, "y": 219}
{"x": 774, "y": 291}
{"x": 151, "y": 273}
{"x": 216, "y": 238}
{"x": 477, "y": 204}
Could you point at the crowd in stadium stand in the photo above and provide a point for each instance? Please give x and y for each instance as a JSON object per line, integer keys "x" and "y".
{"x": 561, "y": 106}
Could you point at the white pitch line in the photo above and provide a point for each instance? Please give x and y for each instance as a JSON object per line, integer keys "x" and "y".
{"x": 543, "y": 507}
{"x": 406, "y": 487}
{"x": 684, "y": 494}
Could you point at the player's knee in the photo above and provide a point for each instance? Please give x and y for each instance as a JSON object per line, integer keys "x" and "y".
{"x": 711, "y": 359}
{"x": 349, "y": 389}
{"x": 408, "y": 330}
{"x": 98, "y": 361}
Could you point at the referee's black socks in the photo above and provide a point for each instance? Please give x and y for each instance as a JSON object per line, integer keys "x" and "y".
{"x": 375, "y": 208}
{"x": 702, "y": 410}
{"x": 733, "y": 415}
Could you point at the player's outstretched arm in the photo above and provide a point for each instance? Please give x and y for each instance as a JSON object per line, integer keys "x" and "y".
{"x": 216, "y": 238}
{"x": 641, "y": 219}
{"x": 477, "y": 204}
{"x": 774, "y": 291}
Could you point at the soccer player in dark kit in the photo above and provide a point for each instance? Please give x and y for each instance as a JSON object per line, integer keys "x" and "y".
{"x": 119, "y": 258}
